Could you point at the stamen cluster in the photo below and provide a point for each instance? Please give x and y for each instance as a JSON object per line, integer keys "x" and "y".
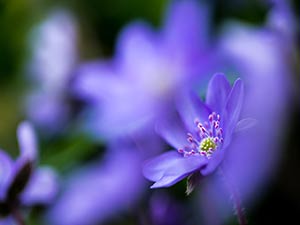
{"x": 208, "y": 137}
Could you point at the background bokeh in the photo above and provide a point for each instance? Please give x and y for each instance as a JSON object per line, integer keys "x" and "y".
{"x": 98, "y": 24}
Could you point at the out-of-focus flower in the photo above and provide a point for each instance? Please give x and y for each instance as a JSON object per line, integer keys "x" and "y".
{"x": 209, "y": 128}
{"x": 282, "y": 20}
{"x": 21, "y": 183}
{"x": 54, "y": 57}
{"x": 148, "y": 71}
{"x": 101, "y": 190}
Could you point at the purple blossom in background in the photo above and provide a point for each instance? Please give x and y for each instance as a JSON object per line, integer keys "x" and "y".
{"x": 282, "y": 20}
{"x": 100, "y": 191}
{"x": 202, "y": 140}
{"x": 148, "y": 70}
{"x": 54, "y": 57}
{"x": 21, "y": 183}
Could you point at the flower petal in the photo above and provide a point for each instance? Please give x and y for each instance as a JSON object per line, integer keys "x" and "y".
{"x": 190, "y": 107}
{"x": 6, "y": 166}
{"x": 153, "y": 169}
{"x": 172, "y": 131}
{"x": 168, "y": 180}
{"x": 186, "y": 22}
{"x": 27, "y": 141}
{"x": 217, "y": 92}
{"x": 42, "y": 187}
{"x": 136, "y": 46}
{"x": 233, "y": 107}
{"x": 171, "y": 167}
{"x": 214, "y": 162}
{"x": 94, "y": 81}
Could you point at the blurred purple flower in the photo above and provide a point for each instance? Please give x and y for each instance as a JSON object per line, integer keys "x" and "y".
{"x": 99, "y": 191}
{"x": 209, "y": 128}
{"x": 21, "y": 183}
{"x": 282, "y": 20}
{"x": 54, "y": 57}
{"x": 148, "y": 71}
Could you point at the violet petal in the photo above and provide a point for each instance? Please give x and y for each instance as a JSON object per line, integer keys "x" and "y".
{"x": 173, "y": 132}
{"x": 171, "y": 167}
{"x": 27, "y": 141}
{"x": 233, "y": 107}
{"x": 132, "y": 39}
{"x": 190, "y": 107}
{"x": 42, "y": 187}
{"x": 186, "y": 22}
{"x": 214, "y": 162}
{"x": 6, "y": 167}
{"x": 217, "y": 92}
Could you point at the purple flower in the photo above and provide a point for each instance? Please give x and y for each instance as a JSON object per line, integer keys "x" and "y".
{"x": 254, "y": 158}
{"x": 147, "y": 72}
{"x": 99, "y": 191}
{"x": 21, "y": 183}
{"x": 208, "y": 127}
{"x": 50, "y": 68}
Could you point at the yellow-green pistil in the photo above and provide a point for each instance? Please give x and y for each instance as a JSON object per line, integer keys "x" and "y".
{"x": 207, "y": 144}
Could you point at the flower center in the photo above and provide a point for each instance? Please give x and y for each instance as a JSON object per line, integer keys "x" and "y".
{"x": 207, "y": 144}
{"x": 207, "y": 137}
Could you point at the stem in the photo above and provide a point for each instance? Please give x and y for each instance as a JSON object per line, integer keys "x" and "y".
{"x": 18, "y": 216}
{"x": 236, "y": 200}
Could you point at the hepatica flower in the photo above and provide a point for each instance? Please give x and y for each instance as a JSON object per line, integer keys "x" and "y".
{"x": 202, "y": 139}
{"x": 21, "y": 183}
{"x": 54, "y": 55}
{"x": 148, "y": 69}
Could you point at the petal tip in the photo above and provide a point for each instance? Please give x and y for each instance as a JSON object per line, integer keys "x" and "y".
{"x": 27, "y": 140}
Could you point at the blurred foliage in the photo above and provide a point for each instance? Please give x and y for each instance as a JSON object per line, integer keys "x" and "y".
{"x": 101, "y": 21}
{"x": 248, "y": 11}
{"x": 70, "y": 151}
{"x": 15, "y": 18}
